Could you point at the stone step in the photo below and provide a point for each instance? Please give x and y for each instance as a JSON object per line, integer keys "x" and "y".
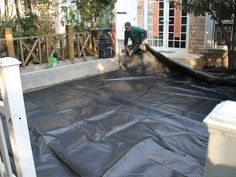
{"x": 195, "y": 61}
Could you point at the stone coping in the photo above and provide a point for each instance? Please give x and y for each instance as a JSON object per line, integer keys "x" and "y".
{"x": 37, "y": 77}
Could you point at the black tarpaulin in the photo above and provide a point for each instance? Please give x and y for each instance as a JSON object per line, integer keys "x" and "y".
{"x": 119, "y": 125}
{"x": 227, "y": 77}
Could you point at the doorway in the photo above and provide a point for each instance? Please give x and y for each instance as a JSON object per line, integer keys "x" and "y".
{"x": 167, "y": 25}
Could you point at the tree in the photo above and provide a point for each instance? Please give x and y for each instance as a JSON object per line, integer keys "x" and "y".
{"x": 17, "y": 9}
{"x": 6, "y": 9}
{"x": 28, "y": 6}
{"x": 37, "y": 19}
{"x": 45, "y": 11}
{"x": 7, "y": 17}
{"x": 218, "y": 10}
{"x": 89, "y": 12}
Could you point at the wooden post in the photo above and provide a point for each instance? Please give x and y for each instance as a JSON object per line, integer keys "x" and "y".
{"x": 78, "y": 45}
{"x": 90, "y": 45}
{"x": 62, "y": 48}
{"x": 46, "y": 50}
{"x": 70, "y": 43}
{"x": 9, "y": 42}
{"x": 95, "y": 51}
{"x": 40, "y": 51}
{"x": 114, "y": 38}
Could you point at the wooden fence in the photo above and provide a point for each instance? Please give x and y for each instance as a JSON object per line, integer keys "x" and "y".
{"x": 37, "y": 49}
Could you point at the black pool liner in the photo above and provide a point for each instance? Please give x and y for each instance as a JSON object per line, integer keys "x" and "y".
{"x": 121, "y": 125}
{"x": 227, "y": 77}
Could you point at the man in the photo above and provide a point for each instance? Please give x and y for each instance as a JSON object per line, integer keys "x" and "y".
{"x": 137, "y": 36}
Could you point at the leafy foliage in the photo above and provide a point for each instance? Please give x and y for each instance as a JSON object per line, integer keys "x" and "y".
{"x": 70, "y": 15}
{"x": 219, "y": 10}
{"x": 28, "y": 24}
{"x": 46, "y": 16}
{"x": 36, "y": 19}
{"x": 90, "y": 13}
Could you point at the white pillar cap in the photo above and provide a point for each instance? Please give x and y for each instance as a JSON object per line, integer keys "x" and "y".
{"x": 223, "y": 117}
{"x": 9, "y": 61}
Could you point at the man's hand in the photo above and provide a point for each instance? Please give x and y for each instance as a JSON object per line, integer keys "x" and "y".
{"x": 144, "y": 41}
{"x": 124, "y": 50}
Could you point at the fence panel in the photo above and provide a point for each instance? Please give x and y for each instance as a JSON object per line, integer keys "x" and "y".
{"x": 37, "y": 49}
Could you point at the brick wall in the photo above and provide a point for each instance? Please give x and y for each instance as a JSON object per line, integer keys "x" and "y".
{"x": 196, "y": 33}
{"x": 140, "y": 13}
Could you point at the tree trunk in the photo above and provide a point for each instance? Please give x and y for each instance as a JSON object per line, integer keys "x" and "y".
{"x": 17, "y": 9}
{"x": 224, "y": 33}
{"x": 28, "y": 6}
{"x": 228, "y": 43}
{"x": 233, "y": 46}
{"x": 6, "y": 13}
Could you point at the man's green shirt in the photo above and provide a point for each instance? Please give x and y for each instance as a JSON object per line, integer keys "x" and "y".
{"x": 136, "y": 35}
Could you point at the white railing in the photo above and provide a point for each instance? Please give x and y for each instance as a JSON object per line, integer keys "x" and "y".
{"x": 12, "y": 106}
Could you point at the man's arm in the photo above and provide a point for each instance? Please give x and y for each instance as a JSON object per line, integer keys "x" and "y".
{"x": 142, "y": 32}
{"x": 126, "y": 40}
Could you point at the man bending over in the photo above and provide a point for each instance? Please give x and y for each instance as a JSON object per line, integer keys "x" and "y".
{"x": 137, "y": 35}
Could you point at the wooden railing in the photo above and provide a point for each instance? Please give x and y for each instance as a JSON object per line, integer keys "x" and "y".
{"x": 83, "y": 44}
{"x": 37, "y": 49}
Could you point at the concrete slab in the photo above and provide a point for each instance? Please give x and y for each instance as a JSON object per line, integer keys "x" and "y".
{"x": 195, "y": 61}
{"x": 39, "y": 76}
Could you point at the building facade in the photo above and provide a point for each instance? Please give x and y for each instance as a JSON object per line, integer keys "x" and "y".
{"x": 169, "y": 28}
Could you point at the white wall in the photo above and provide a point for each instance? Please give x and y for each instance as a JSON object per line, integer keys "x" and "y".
{"x": 60, "y": 15}
{"x": 11, "y": 6}
{"x": 58, "y": 26}
{"x": 126, "y": 10}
